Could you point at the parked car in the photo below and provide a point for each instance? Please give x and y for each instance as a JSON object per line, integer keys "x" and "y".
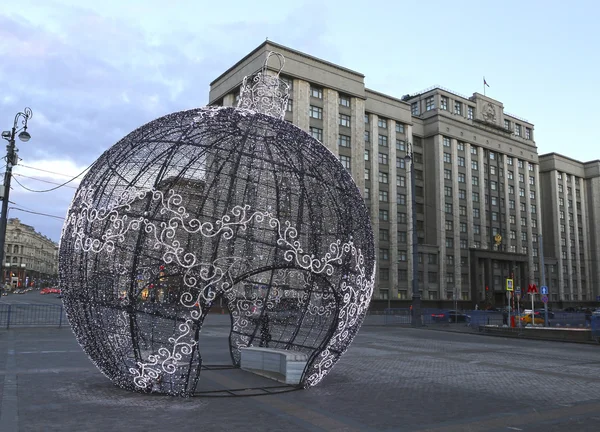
{"x": 450, "y": 316}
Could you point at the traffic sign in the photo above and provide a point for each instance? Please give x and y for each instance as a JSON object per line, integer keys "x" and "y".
{"x": 532, "y": 289}
{"x": 544, "y": 290}
{"x": 545, "y": 298}
{"x": 509, "y": 285}
{"x": 518, "y": 290}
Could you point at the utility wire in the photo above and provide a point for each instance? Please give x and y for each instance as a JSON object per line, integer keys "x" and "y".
{"x": 41, "y": 180}
{"x": 50, "y": 172}
{"x": 54, "y": 188}
{"x": 37, "y": 213}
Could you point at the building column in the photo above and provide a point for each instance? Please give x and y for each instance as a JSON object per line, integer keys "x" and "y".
{"x": 301, "y": 97}
{"x": 331, "y": 128}
{"x": 409, "y": 218}
{"x": 485, "y": 238}
{"x": 558, "y": 247}
{"x": 577, "y": 276}
{"x": 438, "y": 147}
{"x": 538, "y": 202}
{"x": 373, "y": 176}
{"x": 456, "y": 218}
{"x": 587, "y": 250}
{"x": 506, "y": 236}
{"x": 528, "y": 227}
{"x": 568, "y": 262}
{"x": 393, "y": 200}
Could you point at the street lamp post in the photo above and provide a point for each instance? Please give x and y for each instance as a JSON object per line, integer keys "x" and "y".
{"x": 416, "y": 295}
{"x": 11, "y": 160}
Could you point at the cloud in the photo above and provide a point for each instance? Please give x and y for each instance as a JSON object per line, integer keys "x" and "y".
{"x": 93, "y": 74}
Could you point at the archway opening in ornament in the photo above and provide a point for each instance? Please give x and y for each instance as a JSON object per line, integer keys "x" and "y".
{"x": 283, "y": 308}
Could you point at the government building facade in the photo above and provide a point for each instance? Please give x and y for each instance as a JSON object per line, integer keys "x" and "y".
{"x": 479, "y": 184}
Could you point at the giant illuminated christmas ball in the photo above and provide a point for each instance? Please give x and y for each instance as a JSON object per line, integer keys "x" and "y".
{"x": 231, "y": 205}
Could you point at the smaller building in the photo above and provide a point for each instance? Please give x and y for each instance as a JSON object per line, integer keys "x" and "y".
{"x": 571, "y": 212}
{"x": 30, "y": 258}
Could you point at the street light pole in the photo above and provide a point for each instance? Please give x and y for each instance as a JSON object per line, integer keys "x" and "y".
{"x": 416, "y": 295}
{"x": 11, "y": 160}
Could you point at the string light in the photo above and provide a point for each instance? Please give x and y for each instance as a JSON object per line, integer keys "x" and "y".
{"x": 215, "y": 204}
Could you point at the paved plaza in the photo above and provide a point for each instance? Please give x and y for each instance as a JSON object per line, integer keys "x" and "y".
{"x": 391, "y": 379}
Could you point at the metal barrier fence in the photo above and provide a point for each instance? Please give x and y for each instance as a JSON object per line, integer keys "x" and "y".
{"x": 31, "y": 315}
{"x": 476, "y": 318}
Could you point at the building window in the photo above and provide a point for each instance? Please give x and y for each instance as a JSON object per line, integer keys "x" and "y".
{"x": 366, "y": 155}
{"x": 476, "y": 213}
{"x": 382, "y": 123}
{"x": 473, "y": 150}
{"x": 384, "y": 235}
{"x": 399, "y": 128}
{"x": 449, "y": 242}
{"x": 506, "y": 124}
{"x": 461, "y": 161}
{"x": 462, "y": 210}
{"x": 429, "y": 103}
{"x": 510, "y": 175}
{"x": 476, "y": 229}
{"x": 520, "y": 163}
{"x": 494, "y": 185}
{"x": 447, "y": 158}
{"x": 345, "y": 160}
{"x": 400, "y": 181}
{"x": 448, "y": 191}
{"x": 447, "y": 174}
{"x": 383, "y": 159}
{"x": 383, "y": 177}
{"x": 383, "y": 215}
{"x": 464, "y": 244}
{"x": 523, "y": 221}
{"x": 470, "y": 113}
{"x": 401, "y": 199}
{"x": 400, "y": 163}
{"x": 511, "y": 190}
{"x": 462, "y": 194}
{"x": 448, "y": 207}
{"x": 509, "y": 160}
{"x": 517, "y": 129}
{"x": 460, "y": 146}
{"x": 530, "y": 166}
{"x": 527, "y": 133}
{"x": 367, "y": 193}
{"x": 475, "y": 180}
{"x": 492, "y": 170}
{"x": 400, "y": 145}
{"x": 560, "y": 188}
{"x": 457, "y": 108}
{"x": 414, "y": 108}
{"x": 289, "y": 106}
{"x": 449, "y": 225}
{"x": 462, "y": 178}
{"x": 383, "y": 196}
{"x": 521, "y": 192}
{"x": 316, "y": 92}
{"x": 402, "y": 219}
{"x": 345, "y": 101}
{"x": 384, "y": 254}
{"x": 474, "y": 165}
{"x": 344, "y": 120}
{"x": 316, "y": 112}
{"x": 444, "y": 103}
{"x": 384, "y": 275}
{"x": 521, "y": 178}
{"x": 366, "y": 118}
{"x": 344, "y": 141}
{"x": 532, "y": 195}
{"x": 383, "y": 140}
{"x": 446, "y": 141}
{"x": 367, "y": 176}
{"x": 316, "y": 133}
{"x": 475, "y": 196}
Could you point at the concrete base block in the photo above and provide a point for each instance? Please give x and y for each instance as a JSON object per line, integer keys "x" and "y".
{"x": 281, "y": 365}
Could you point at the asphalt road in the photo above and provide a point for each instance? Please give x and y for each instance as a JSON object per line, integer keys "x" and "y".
{"x": 391, "y": 379}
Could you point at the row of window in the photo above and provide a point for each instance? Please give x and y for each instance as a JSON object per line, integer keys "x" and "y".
{"x": 462, "y": 193}
{"x": 317, "y": 92}
{"x": 430, "y": 106}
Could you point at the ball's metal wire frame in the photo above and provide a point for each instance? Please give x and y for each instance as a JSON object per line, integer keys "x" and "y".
{"x": 207, "y": 205}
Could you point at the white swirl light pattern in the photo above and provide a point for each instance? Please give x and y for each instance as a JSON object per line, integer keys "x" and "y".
{"x": 164, "y": 361}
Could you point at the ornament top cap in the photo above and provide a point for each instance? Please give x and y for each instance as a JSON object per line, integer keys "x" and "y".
{"x": 265, "y": 92}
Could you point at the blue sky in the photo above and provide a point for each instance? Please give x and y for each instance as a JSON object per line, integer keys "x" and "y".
{"x": 94, "y": 71}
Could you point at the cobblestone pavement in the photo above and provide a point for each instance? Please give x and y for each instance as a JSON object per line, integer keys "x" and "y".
{"x": 391, "y": 379}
